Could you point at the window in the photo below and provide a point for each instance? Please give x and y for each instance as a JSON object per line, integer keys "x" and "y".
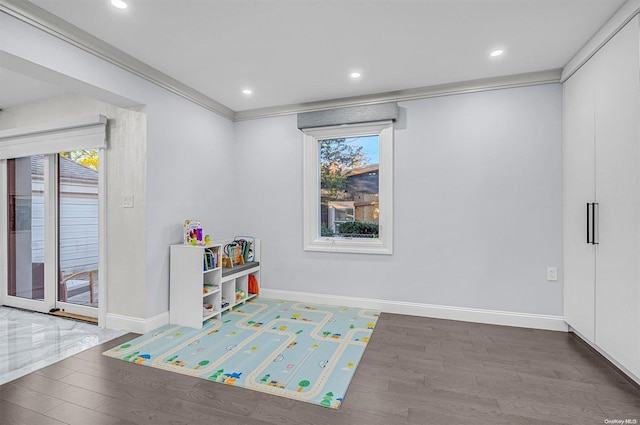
{"x": 348, "y": 183}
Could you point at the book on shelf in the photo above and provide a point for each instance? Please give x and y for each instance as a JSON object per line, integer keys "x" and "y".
{"x": 193, "y": 232}
{"x": 208, "y": 288}
{"x": 246, "y": 244}
{"x": 210, "y": 259}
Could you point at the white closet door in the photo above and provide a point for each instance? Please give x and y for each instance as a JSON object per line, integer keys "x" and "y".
{"x": 617, "y": 100}
{"x": 579, "y": 188}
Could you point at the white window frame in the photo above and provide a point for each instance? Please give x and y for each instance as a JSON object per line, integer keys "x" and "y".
{"x": 313, "y": 241}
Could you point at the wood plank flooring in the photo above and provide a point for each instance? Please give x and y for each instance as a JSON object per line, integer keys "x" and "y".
{"x": 415, "y": 370}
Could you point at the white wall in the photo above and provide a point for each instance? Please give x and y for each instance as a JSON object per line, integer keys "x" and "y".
{"x": 478, "y": 205}
{"x": 183, "y": 148}
{"x": 478, "y": 189}
{"x": 189, "y": 164}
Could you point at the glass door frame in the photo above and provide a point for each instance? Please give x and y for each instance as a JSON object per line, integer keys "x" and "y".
{"x": 51, "y": 266}
{"x": 48, "y": 301}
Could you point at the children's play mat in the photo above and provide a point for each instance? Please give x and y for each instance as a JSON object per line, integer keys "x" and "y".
{"x": 297, "y": 350}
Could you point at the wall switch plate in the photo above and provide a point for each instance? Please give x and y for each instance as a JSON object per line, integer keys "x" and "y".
{"x": 127, "y": 201}
{"x": 552, "y": 273}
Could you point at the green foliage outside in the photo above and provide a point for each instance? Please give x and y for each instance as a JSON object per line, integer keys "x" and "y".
{"x": 88, "y": 158}
{"x": 337, "y": 158}
{"x": 358, "y": 228}
{"x": 325, "y": 230}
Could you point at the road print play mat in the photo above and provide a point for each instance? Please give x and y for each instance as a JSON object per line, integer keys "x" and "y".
{"x": 297, "y": 350}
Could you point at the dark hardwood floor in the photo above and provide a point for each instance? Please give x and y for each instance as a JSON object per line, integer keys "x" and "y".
{"x": 414, "y": 371}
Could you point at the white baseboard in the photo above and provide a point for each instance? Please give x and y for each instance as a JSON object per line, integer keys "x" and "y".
{"x": 136, "y": 324}
{"x": 491, "y": 317}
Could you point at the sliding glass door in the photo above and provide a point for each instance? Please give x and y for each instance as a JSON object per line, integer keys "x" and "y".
{"x": 25, "y": 189}
{"x": 78, "y": 213}
{"x": 52, "y": 232}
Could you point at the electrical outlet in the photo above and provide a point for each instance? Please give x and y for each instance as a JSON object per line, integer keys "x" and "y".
{"x": 552, "y": 273}
{"x": 127, "y": 201}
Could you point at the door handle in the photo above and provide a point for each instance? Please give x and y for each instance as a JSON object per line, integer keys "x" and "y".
{"x": 593, "y": 223}
{"x": 589, "y": 224}
{"x": 595, "y": 220}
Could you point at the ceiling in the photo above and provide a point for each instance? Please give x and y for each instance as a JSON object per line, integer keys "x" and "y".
{"x": 299, "y": 51}
{"x": 18, "y": 89}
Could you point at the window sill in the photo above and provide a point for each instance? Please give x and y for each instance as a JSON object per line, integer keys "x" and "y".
{"x": 354, "y": 246}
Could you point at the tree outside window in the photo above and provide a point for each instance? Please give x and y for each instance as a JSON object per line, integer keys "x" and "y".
{"x": 349, "y": 187}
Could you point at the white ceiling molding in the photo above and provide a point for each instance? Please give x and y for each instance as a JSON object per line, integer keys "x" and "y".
{"x": 45, "y": 21}
{"x": 40, "y": 18}
{"x": 494, "y": 83}
{"x": 604, "y": 34}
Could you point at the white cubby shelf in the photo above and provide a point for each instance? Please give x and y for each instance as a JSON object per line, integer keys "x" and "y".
{"x": 197, "y": 279}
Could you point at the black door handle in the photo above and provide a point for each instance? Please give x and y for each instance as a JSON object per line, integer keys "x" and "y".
{"x": 589, "y": 224}
{"x": 595, "y": 223}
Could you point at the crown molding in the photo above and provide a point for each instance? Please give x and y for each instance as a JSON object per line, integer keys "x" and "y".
{"x": 619, "y": 19}
{"x": 50, "y": 23}
{"x": 494, "y": 83}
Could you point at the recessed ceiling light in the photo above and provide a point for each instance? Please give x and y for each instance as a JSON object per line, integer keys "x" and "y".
{"x": 247, "y": 91}
{"x": 496, "y": 53}
{"x": 120, "y": 4}
{"x": 355, "y": 75}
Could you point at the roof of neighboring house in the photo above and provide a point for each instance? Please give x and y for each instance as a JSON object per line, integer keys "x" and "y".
{"x": 363, "y": 170}
{"x": 71, "y": 169}
{"x": 363, "y": 180}
{"x": 68, "y": 169}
